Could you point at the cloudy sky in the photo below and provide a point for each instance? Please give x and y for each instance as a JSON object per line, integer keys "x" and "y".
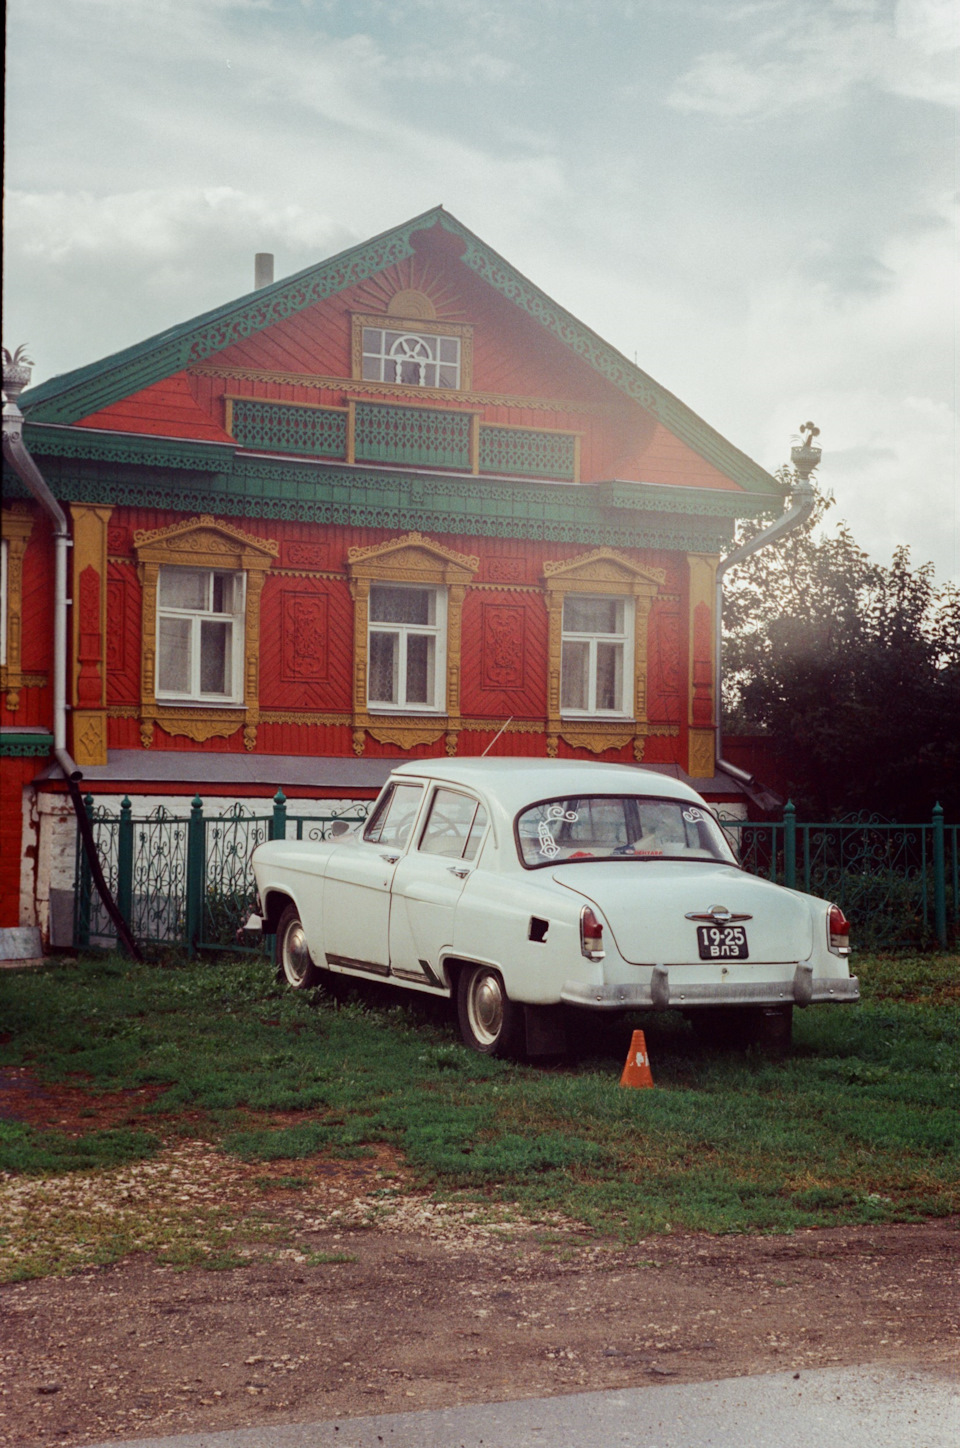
{"x": 754, "y": 200}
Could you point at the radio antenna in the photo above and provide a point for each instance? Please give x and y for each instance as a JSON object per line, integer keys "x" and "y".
{"x": 496, "y": 736}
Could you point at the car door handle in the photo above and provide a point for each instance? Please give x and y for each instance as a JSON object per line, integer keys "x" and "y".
{"x": 459, "y": 870}
{"x": 390, "y": 859}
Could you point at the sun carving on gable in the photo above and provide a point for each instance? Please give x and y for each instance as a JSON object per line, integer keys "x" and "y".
{"x": 413, "y": 305}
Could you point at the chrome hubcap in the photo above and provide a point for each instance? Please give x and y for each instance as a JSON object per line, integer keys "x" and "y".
{"x": 296, "y": 957}
{"x": 486, "y": 1008}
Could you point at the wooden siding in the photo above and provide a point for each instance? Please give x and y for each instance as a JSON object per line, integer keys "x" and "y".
{"x": 15, "y": 774}
{"x": 513, "y": 357}
{"x": 306, "y": 651}
{"x": 167, "y": 409}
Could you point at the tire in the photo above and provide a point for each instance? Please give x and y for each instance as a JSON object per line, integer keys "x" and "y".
{"x": 293, "y": 956}
{"x": 490, "y": 1022}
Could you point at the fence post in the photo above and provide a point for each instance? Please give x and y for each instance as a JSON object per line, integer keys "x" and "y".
{"x": 939, "y": 878}
{"x": 790, "y": 845}
{"x": 125, "y": 862}
{"x": 196, "y": 871}
{"x": 85, "y": 886}
{"x": 278, "y": 829}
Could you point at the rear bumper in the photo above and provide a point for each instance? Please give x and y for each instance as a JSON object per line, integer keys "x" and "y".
{"x": 660, "y": 993}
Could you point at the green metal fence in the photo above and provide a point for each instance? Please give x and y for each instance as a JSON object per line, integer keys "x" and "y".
{"x": 185, "y": 881}
{"x": 188, "y": 881}
{"x": 897, "y": 883}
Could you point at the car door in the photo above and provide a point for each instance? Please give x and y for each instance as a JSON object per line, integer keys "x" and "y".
{"x": 357, "y": 884}
{"x": 429, "y": 879}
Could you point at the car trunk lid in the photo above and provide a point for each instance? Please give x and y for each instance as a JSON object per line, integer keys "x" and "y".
{"x": 646, "y": 902}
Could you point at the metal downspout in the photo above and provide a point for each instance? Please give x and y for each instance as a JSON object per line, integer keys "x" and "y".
{"x": 16, "y": 374}
{"x": 16, "y": 454}
{"x": 805, "y": 459}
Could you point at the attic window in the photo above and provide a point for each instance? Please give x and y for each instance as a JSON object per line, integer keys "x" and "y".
{"x": 415, "y": 359}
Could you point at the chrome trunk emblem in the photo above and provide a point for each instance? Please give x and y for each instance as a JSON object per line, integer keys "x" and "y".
{"x": 717, "y": 915}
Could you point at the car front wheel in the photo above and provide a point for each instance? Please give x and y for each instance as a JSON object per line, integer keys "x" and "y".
{"x": 490, "y": 1021}
{"x": 293, "y": 956}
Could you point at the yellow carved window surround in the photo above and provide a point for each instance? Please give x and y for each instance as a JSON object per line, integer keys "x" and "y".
{"x": 410, "y": 561}
{"x": 17, "y": 524}
{"x": 416, "y": 326}
{"x": 702, "y": 665}
{"x": 603, "y": 573}
{"x": 202, "y": 543}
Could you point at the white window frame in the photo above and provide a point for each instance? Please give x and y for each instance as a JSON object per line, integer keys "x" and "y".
{"x": 436, "y": 630}
{"x": 194, "y": 695}
{"x": 388, "y": 359}
{"x": 624, "y": 637}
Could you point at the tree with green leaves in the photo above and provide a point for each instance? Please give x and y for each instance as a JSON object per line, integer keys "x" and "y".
{"x": 850, "y": 668}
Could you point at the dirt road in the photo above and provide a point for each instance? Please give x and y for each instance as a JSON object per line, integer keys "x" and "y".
{"x": 422, "y": 1307}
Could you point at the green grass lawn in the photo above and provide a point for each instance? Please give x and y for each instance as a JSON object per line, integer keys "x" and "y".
{"x": 858, "y": 1124}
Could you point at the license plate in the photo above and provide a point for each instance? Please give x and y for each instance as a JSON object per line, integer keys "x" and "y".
{"x": 719, "y": 942}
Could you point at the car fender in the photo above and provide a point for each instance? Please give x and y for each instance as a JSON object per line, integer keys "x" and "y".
{"x": 293, "y": 871}
{"x": 494, "y": 925}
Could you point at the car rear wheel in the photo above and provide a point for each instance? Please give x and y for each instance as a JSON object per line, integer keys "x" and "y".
{"x": 293, "y": 956}
{"x": 490, "y": 1022}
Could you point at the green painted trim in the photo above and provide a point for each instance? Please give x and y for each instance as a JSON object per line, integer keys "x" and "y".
{"x": 25, "y": 746}
{"x": 77, "y": 394}
{"x": 374, "y": 498}
{"x": 661, "y": 498}
{"x": 611, "y": 364}
{"x": 232, "y": 471}
{"x": 45, "y": 440}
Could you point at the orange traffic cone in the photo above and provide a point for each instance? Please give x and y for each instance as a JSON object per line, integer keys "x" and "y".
{"x": 637, "y": 1070}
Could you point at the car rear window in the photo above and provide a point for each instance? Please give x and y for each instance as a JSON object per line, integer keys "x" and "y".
{"x": 618, "y": 827}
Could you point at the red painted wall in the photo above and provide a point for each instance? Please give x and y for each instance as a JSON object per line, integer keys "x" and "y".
{"x": 306, "y": 636}
{"x": 13, "y": 776}
{"x": 513, "y": 357}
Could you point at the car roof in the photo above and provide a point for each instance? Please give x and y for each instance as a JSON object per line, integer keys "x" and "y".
{"x": 515, "y": 782}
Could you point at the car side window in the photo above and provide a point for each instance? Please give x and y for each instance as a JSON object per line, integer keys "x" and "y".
{"x": 394, "y": 816}
{"x": 475, "y": 837}
{"x": 454, "y": 827}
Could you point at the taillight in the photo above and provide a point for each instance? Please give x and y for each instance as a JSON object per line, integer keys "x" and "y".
{"x": 591, "y": 935}
{"x": 838, "y": 930}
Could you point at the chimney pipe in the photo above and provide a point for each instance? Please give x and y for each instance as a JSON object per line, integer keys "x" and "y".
{"x": 262, "y": 269}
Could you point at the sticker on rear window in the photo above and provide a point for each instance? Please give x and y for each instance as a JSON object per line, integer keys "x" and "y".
{"x": 548, "y": 845}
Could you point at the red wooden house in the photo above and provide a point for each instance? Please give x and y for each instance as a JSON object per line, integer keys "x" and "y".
{"x": 384, "y": 507}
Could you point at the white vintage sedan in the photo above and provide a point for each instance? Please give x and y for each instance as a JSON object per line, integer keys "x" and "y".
{"x": 521, "y": 888}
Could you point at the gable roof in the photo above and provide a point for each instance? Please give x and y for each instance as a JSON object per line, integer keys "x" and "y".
{"x": 73, "y": 395}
